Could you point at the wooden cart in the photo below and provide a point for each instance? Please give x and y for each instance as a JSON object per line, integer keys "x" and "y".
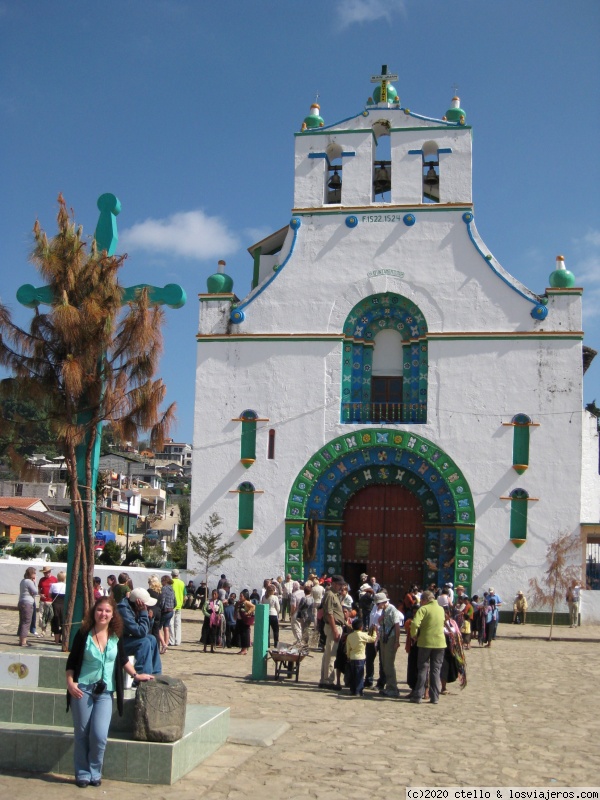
{"x": 288, "y": 663}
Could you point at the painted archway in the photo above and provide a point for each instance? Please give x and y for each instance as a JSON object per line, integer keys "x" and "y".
{"x": 368, "y": 318}
{"x": 378, "y": 456}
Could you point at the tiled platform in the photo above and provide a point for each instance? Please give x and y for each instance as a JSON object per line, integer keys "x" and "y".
{"x": 36, "y": 748}
{"x": 36, "y": 733}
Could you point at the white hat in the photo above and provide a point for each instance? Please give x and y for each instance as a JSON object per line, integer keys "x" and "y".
{"x": 143, "y": 595}
{"x": 380, "y": 597}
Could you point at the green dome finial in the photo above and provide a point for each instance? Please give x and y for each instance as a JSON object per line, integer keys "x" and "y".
{"x": 314, "y": 119}
{"x": 219, "y": 283}
{"x": 455, "y": 112}
{"x": 561, "y": 278}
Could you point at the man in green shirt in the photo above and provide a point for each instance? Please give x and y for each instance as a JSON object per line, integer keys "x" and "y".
{"x": 427, "y": 632}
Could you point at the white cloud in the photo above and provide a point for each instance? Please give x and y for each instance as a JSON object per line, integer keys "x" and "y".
{"x": 257, "y": 234}
{"x": 592, "y": 238}
{"x": 188, "y": 234}
{"x": 351, "y": 11}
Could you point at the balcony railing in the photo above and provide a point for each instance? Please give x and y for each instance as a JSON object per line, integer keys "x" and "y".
{"x": 374, "y": 413}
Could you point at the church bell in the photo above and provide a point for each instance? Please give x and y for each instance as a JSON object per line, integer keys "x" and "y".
{"x": 382, "y": 182}
{"x": 431, "y": 178}
{"x": 334, "y": 195}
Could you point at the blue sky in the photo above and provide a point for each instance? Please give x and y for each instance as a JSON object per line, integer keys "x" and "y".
{"x": 186, "y": 110}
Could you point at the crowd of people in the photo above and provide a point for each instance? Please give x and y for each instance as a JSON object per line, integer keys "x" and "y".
{"x": 354, "y": 632}
{"x": 128, "y": 629}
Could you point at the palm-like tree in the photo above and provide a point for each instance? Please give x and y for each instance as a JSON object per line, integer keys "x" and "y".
{"x": 86, "y": 361}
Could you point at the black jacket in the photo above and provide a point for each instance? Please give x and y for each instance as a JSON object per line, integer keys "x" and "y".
{"x": 75, "y": 660}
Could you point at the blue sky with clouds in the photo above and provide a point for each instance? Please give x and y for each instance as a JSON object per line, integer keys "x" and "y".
{"x": 186, "y": 109}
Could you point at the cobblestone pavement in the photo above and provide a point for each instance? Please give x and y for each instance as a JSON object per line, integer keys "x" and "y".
{"x": 530, "y": 716}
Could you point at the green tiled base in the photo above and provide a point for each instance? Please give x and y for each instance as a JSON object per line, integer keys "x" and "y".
{"x": 52, "y": 672}
{"x": 537, "y": 617}
{"x": 31, "y": 748}
{"x": 48, "y": 707}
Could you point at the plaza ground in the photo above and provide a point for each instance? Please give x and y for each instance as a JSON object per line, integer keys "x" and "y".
{"x": 529, "y": 716}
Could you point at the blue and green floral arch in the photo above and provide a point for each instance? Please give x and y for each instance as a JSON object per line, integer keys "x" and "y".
{"x": 372, "y": 315}
{"x": 383, "y": 456}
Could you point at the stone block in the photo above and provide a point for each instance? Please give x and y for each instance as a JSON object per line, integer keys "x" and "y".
{"x": 159, "y": 714}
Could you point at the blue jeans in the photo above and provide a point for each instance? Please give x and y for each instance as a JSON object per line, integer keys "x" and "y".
{"x": 145, "y": 650}
{"x": 91, "y": 721}
{"x": 356, "y": 669}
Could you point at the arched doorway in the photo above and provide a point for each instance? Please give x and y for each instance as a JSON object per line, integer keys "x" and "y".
{"x": 383, "y": 534}
{"x": 382, "y": 457}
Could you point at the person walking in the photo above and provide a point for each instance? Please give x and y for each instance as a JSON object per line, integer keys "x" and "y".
{"x": 427, "y": 631}
{"x": 175, "y": 624}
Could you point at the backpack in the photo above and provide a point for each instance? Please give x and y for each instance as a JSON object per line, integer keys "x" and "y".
{"x": 303, "y": 612}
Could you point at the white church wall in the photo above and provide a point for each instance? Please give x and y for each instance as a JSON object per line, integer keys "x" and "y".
{"x": 590, "y": 483}
{"x": 590, "y": 607}
{"x": 279, "y": 381}
{"x": 214, "y": 315}
{"x": 434, "y": 254}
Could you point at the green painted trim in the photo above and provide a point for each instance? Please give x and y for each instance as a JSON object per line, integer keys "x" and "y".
{"x": 246, "y": 512}
{"x": 256, "y": 256}
{"x": 339, "y": 337}
{"x": 434, "y": 128}
{"x": 533, "y": 335}
{"x": 341, "y": 131}
{"x": 267, "y": 337}
{"x": 571, "y": 291}
{"x": 205, "y": 298}
{"x": 309, "y": 212}
{"x": 561, "y": 618}
{"x": 520, "y": 448}
{"x": 518, "y": 517}
{"x": 248, "y": 445}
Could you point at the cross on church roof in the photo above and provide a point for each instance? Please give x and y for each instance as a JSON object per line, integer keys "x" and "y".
{"x": 384, "y": 79}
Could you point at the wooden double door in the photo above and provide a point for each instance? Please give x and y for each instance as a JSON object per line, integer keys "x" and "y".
{"x": 383, "y": 534}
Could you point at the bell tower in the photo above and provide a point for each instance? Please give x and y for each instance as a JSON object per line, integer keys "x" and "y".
{"x": 387, "y": 155}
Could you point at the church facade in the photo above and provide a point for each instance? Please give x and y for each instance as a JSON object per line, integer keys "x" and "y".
{"x": 388, "y": 398}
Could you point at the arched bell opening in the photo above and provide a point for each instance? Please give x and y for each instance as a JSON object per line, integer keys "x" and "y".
{"x": 333, "y": 188}
{"x": 382, "y": 162}
{"x": 431, "y": 173}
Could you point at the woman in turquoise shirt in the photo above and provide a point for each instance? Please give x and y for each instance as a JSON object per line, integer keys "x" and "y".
{"x": 94, "y": 671}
